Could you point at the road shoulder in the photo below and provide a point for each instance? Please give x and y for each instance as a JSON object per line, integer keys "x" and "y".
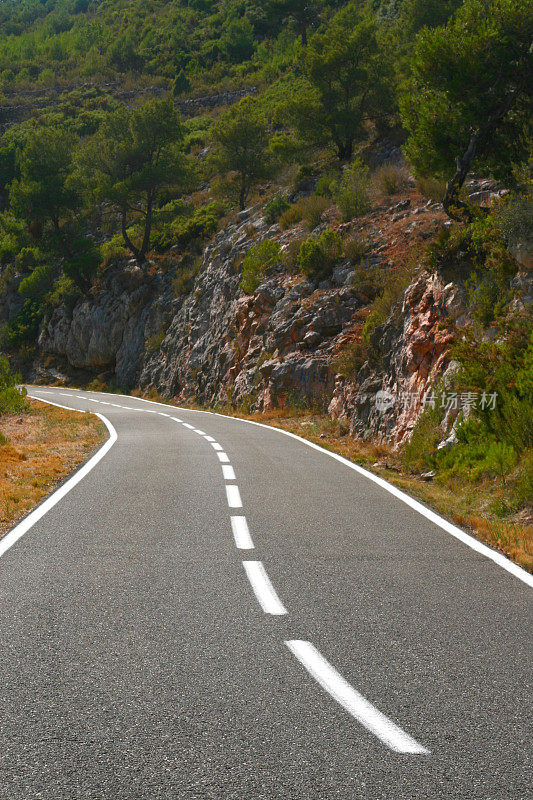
{"x": 42, "y": 448}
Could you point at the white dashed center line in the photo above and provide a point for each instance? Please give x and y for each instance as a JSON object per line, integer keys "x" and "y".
{"x": 223, "y": 458}
{"x": 263, "y": 589}
{"x": 216, "y": 446}
{"x": 241, "y": 534}
{"x": 228, "y": 472}
{"x": 234, "y": 496}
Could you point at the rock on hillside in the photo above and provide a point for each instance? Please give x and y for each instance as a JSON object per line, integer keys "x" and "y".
{"x": 217, "y": 345}
{"x": 224, "y": 346}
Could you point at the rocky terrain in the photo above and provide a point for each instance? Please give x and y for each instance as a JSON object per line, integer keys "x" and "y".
{"x": 284, "y": 343}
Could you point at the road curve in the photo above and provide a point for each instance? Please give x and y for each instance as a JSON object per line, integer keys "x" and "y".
{"x": 215, "y": 610}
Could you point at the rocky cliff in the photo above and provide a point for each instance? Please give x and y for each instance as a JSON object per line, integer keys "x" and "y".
{"x": 281, "y": 344}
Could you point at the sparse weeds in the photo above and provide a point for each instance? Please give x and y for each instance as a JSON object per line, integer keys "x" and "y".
{"x": 431, "y": 188}
{"x": 308, "y": 209}
{"x": 355, "y": 247}
{"x": 352, "y": 191}
{"x": 388, "y": 180}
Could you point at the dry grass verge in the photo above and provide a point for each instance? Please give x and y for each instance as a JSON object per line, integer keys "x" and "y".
{"x": 42, "y": 447}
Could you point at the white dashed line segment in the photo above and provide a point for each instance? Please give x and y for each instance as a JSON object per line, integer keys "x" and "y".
{"x": 234, "y": 496}
{"x": 223, "y": 458}
{"x": 263, "y": 589}
{"x": 241, "y": 534}
{"x": 216, "y": 446}
{"x": 354, "y": 703}
{"x": 228, "y": 472}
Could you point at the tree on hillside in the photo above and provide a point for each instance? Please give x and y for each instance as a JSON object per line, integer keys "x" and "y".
{"x": 347, "y": 83}
{"x": 43, "y": 193}
{"x": 242, "y": 139}
{"x": 303, "y": 13}
{"x": 468, "y": 102}
{"x": 134, "y": 155}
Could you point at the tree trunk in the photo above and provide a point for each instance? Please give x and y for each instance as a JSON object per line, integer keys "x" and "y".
{"x": 344, "y": 150}
{"x": 243, "y": 195}
{"x": 127, "y": 241}
{"x": 147, "y": 227}
{"x": 456, "y": 208}
{"x": 67, "y": 252}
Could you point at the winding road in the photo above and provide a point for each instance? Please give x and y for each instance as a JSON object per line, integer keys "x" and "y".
{"x": 213, "y": 609}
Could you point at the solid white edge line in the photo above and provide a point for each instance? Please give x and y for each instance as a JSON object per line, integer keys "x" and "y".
{"x": 233, "y": 495}
{"x": 358, "y": 706}
{"x": 453, "y": 530}
{"x": 241, "y": 534}
{"x": 228, "y": 472}
{"x": 34, "y": 516}
{"x": 263, "y": 589}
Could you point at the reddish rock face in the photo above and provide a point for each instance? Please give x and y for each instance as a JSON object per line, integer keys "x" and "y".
{"x": 415, "y": 355}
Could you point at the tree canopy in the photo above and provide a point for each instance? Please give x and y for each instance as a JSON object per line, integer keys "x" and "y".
{"x": 468, "y": 102}
{"x": 347, "y": 83}
{"x": 134, "y": 155}
{"x": 242, "y": 139}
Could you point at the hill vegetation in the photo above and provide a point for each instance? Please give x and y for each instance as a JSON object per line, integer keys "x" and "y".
{"x": 132, "y": 130}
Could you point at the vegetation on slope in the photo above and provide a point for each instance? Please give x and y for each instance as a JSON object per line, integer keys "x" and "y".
{"x": 104, "y": 157}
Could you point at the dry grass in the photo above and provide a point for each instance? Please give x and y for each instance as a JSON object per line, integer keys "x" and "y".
{"x": 42, "y": 447}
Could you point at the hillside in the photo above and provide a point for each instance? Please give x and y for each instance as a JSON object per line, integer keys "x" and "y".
{"x": 317, "y": 206}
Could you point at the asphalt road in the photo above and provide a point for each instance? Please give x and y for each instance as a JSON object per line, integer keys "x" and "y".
{"x": 358, "y": 651}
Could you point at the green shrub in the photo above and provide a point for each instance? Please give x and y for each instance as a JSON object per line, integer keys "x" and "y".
{"x": 38, "y": 282}
{"x": 257, "y": 262}
{"x": 12, "y": 400}
{"x": 64, "y": 292}
{"x": 202, "y": 224}
{"x": 290, "y": 217}
{"x": 350, "y": 360}
{"x": 352, "y": 191}
{"x": 501, "y": 458}
{"x": 418, "y": 453}
{"x": 319, "y": 255}
{"x": 524, "y": 484}
{"x": 326, "y": 184}
{"x": 291, "y": 253}
{"x": 174, "y": 208}
{"x": 24, "y": 327}
{"x": 275, "y": 208}
{"x": 112, "y": 250}
{"x": 515, "y": 217}
{"x": 501, "y": 369}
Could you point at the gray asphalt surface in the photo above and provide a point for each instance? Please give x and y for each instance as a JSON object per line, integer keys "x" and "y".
{"x": 138, "y": 664}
